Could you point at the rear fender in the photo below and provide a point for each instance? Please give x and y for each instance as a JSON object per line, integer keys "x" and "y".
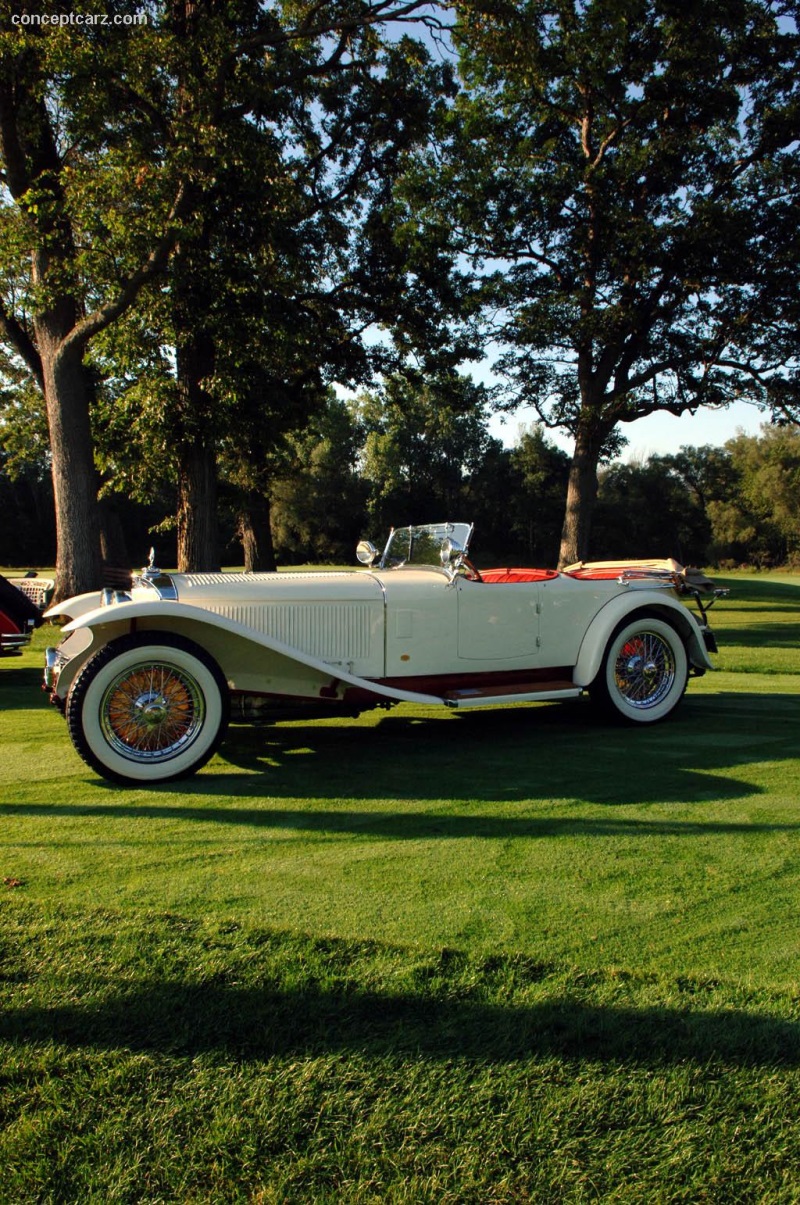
{"x": 598, "y": 634}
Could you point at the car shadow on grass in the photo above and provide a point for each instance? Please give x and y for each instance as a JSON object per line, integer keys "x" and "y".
{"x": 497, "y": 774}
{"x": 21, "y": 687}
{"x": 258, "y": 1023}
{"x": 552, "y": 753}
{"x": 555, "y": 752}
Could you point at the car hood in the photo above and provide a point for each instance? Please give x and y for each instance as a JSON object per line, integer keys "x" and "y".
{"x": 203, "y": 589}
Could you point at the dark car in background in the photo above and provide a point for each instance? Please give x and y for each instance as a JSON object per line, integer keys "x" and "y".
{"x": 22, "y": 601}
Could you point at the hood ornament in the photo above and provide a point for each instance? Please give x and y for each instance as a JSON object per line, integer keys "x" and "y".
{"x": 151, "y": 570}
{"x": 157, "y": 580}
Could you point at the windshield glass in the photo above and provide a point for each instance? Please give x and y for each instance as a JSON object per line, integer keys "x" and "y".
{"x": 423, "y": 545}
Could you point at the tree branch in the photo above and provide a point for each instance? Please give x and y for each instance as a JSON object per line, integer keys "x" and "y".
{"x": 102, "y": 317}
{"x": 374, "y": 14}
{"x": 16, "y": 175}
{"x": 13, "y": 332}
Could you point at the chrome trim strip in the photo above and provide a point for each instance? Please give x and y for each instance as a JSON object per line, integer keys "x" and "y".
{"x": 14, "y": 640}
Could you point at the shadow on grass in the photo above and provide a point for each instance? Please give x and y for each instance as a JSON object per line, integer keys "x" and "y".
{"x": 21, "y": 687}
{"x": 768, "y": 594}
{"x": 553, "y": 753}
{"x": 261, "y": 1023}
{"x": 759, "y": 636}
{"x": 399, "y": 826}
{"x": 547, "y": 752}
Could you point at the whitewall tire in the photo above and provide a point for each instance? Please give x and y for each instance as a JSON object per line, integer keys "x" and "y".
{"x": 644, "y": 672}
{"x": 148, "y": 708}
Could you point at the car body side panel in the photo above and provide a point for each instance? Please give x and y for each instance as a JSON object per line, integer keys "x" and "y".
{"x": 249, "y": 660}
{"x": 421, "y": 621}
{"x": 568, "y": 607}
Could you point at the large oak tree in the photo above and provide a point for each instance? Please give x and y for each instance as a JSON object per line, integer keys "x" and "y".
{"x": 110, "y": 139}
{"x": 620, "y": 173}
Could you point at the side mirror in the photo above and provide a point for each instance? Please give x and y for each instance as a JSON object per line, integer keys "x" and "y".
{"x": 366, "y": 553}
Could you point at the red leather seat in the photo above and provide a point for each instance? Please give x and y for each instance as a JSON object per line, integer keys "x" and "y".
{"x": 518, "y": 575}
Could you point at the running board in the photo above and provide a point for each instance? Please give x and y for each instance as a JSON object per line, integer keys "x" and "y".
{"x": 525, "y": 692}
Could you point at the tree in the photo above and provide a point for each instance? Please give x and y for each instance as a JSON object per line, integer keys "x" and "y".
{"x": 108, "y": 159}
{"x": 47, "y": 313}
{"x": 645, "y": 510}
{"x": 759, "y": 521}
{"x": 616, "y": 159}
{"x": 537, "y": 502}
{"x": 267, "y": 302}
{"x": 424, "y": 437}
{"x": 319, "y": 501}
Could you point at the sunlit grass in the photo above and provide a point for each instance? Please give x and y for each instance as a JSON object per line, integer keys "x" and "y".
{"x": 498, "y": 956}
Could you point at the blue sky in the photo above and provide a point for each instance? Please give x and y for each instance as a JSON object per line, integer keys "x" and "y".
{"x": 656, "y": 434}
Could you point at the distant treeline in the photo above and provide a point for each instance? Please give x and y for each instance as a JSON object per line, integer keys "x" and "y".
{"x": 377, "y": 461}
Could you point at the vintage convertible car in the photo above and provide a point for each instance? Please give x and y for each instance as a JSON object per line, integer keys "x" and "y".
{"x": 149, "y": 677}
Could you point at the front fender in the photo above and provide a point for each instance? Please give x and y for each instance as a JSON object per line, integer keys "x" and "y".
{"x": 76, "y": 607}
{"x": 222, "y": 637}
{"x": 598, "y": 634}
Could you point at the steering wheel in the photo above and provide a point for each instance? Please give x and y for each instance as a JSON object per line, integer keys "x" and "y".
{"x": 471, "y": 573}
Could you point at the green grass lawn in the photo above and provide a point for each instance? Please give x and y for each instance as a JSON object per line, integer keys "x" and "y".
{"x": 512, "y": 955}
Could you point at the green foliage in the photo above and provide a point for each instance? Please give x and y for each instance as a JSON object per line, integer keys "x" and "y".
{"x": 27, "y": 532}
{"x": 617, "y": 173}
{"x": 642, "y": 507}
{"x": 318, "y": 500}
{"x": 613, "y": 155}
{"x": 749, "y": 490}
{"x": 535, "y": 505}
{"x": 255, "y": 144}
{"x": 423, "y": 438}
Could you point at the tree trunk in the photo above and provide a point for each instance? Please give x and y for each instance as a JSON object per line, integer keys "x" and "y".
{"x": 255, "y": 532}
{"x": 66, "y": 394}
{"x": 113, "y": 545}
{"x": 198, "y": 536}
{"x": 582, "y": 491}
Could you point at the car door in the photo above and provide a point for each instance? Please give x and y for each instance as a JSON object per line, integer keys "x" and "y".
{"x": 498, "y": 621}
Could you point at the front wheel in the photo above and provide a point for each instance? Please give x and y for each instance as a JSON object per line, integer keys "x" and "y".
{"x": 644, "y": 671}
{"x": 148, "y": 708}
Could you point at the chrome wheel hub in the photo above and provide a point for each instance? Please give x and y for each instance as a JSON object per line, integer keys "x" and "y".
{"x": 152, "y": 709}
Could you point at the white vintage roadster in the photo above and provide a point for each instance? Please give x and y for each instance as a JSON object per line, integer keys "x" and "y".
{"x": 148, "y": 678}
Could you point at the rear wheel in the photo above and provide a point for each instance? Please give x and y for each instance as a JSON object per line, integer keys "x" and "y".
{"x": 148, "y": 708}
{"x": 644, "y": 671}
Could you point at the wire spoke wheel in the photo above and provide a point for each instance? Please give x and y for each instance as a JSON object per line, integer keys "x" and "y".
{"x": 644, "y": 670}
{"x": 148, "y": 708}
{"x": 152, "y": 711}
